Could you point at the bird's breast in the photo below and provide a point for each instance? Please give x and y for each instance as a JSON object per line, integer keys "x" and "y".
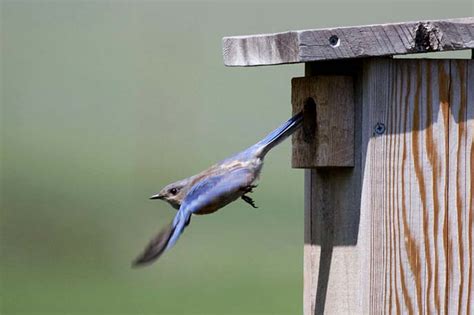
{"x": 232, "y": 168}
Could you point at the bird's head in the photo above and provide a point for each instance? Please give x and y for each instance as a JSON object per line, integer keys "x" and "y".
{"x": 174, "y": 193}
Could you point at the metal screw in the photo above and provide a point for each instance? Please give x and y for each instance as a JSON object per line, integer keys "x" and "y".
{"x": 334, "y": 41}
{"x": 379, "y": 128}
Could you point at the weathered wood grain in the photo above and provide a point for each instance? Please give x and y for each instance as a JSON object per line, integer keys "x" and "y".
{"x": 349, "y": 42}
{"x": 332, "y": 144}
{"x": 406, "y": 191}
{"x": 412, "y": 190}
{"x": 470, "y": 186}
{"x": 459, "y": 189}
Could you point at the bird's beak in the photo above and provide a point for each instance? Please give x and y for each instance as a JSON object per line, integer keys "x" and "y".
{"x": 157, "y": 196}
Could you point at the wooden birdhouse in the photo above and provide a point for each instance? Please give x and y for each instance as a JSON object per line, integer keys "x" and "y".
{"x": 387, "y": 148}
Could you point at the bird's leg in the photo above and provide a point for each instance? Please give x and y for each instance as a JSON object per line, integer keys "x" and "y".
{"x": 249, "y": 188}
{"x": 247, "y": 199}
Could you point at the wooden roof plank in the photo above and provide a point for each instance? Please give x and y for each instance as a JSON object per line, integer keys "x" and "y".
{"x": 349, "y": 42}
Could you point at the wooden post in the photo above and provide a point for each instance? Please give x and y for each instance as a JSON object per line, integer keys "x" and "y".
{"x": 416, "y": 204}
{"x": 404, "y": 241}
{"x": 395, "y": 232}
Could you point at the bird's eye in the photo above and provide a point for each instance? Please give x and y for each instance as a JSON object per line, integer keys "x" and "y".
{"x": 173, "y": 191}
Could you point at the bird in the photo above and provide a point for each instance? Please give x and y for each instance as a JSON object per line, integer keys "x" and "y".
{"x": 174, "y": 193}
{"x": 213, "y": 188}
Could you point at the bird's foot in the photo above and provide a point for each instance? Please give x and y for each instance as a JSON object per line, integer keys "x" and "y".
{"x": 249, "y": 200}
{"x": 249, "y": 189}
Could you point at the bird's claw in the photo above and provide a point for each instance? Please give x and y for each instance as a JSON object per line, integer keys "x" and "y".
{"x": 249, "y": 189}
{"x": 249, "y": 200}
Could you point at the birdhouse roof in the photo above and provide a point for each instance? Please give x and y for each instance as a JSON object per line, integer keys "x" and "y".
{"x": 349, "y": 42}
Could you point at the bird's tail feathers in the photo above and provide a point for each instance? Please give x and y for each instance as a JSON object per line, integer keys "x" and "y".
{"x": 163, "y": 241}
{"x": 281, "y": 133}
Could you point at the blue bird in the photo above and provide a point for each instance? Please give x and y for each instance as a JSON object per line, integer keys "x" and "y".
{"x": 213, "y": 189}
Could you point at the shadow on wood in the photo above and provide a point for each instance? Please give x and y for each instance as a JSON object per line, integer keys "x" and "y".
{"x": 332, "y": 206}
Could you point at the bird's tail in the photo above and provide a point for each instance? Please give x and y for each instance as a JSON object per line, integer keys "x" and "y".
{"x": 281, "y": 133}
{"x": 164, "y": 240}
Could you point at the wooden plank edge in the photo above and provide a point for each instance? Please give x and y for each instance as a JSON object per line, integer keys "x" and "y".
{"x": 349, "y": 42}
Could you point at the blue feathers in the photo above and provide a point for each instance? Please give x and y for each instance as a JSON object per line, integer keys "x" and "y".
{"x": 180, "y": 221}
{"x": 281, "y": 133}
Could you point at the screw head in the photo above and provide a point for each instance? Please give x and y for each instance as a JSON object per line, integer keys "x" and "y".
{"x": 334, "y": 41}
{"x": 379, "y": 128}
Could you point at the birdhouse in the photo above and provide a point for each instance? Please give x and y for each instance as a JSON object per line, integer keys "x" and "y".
{"x": 387, "y": 148}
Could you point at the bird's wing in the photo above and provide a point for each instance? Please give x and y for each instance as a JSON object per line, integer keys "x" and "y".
{"x": 214, "y": 191}
{"x": 218, "y": 191}
{"x": 209, "y": 195}
{"x": 155, "y": 247}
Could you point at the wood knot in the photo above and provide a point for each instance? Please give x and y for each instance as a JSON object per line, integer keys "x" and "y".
{"x": 427, "y": 38}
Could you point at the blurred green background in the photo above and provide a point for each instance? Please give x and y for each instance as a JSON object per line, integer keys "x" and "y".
{"x": 105, "y": 102}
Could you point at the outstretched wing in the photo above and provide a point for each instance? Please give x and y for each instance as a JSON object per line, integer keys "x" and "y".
{"x": 155, "y": 247}
{"x": 209, "y": 194}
